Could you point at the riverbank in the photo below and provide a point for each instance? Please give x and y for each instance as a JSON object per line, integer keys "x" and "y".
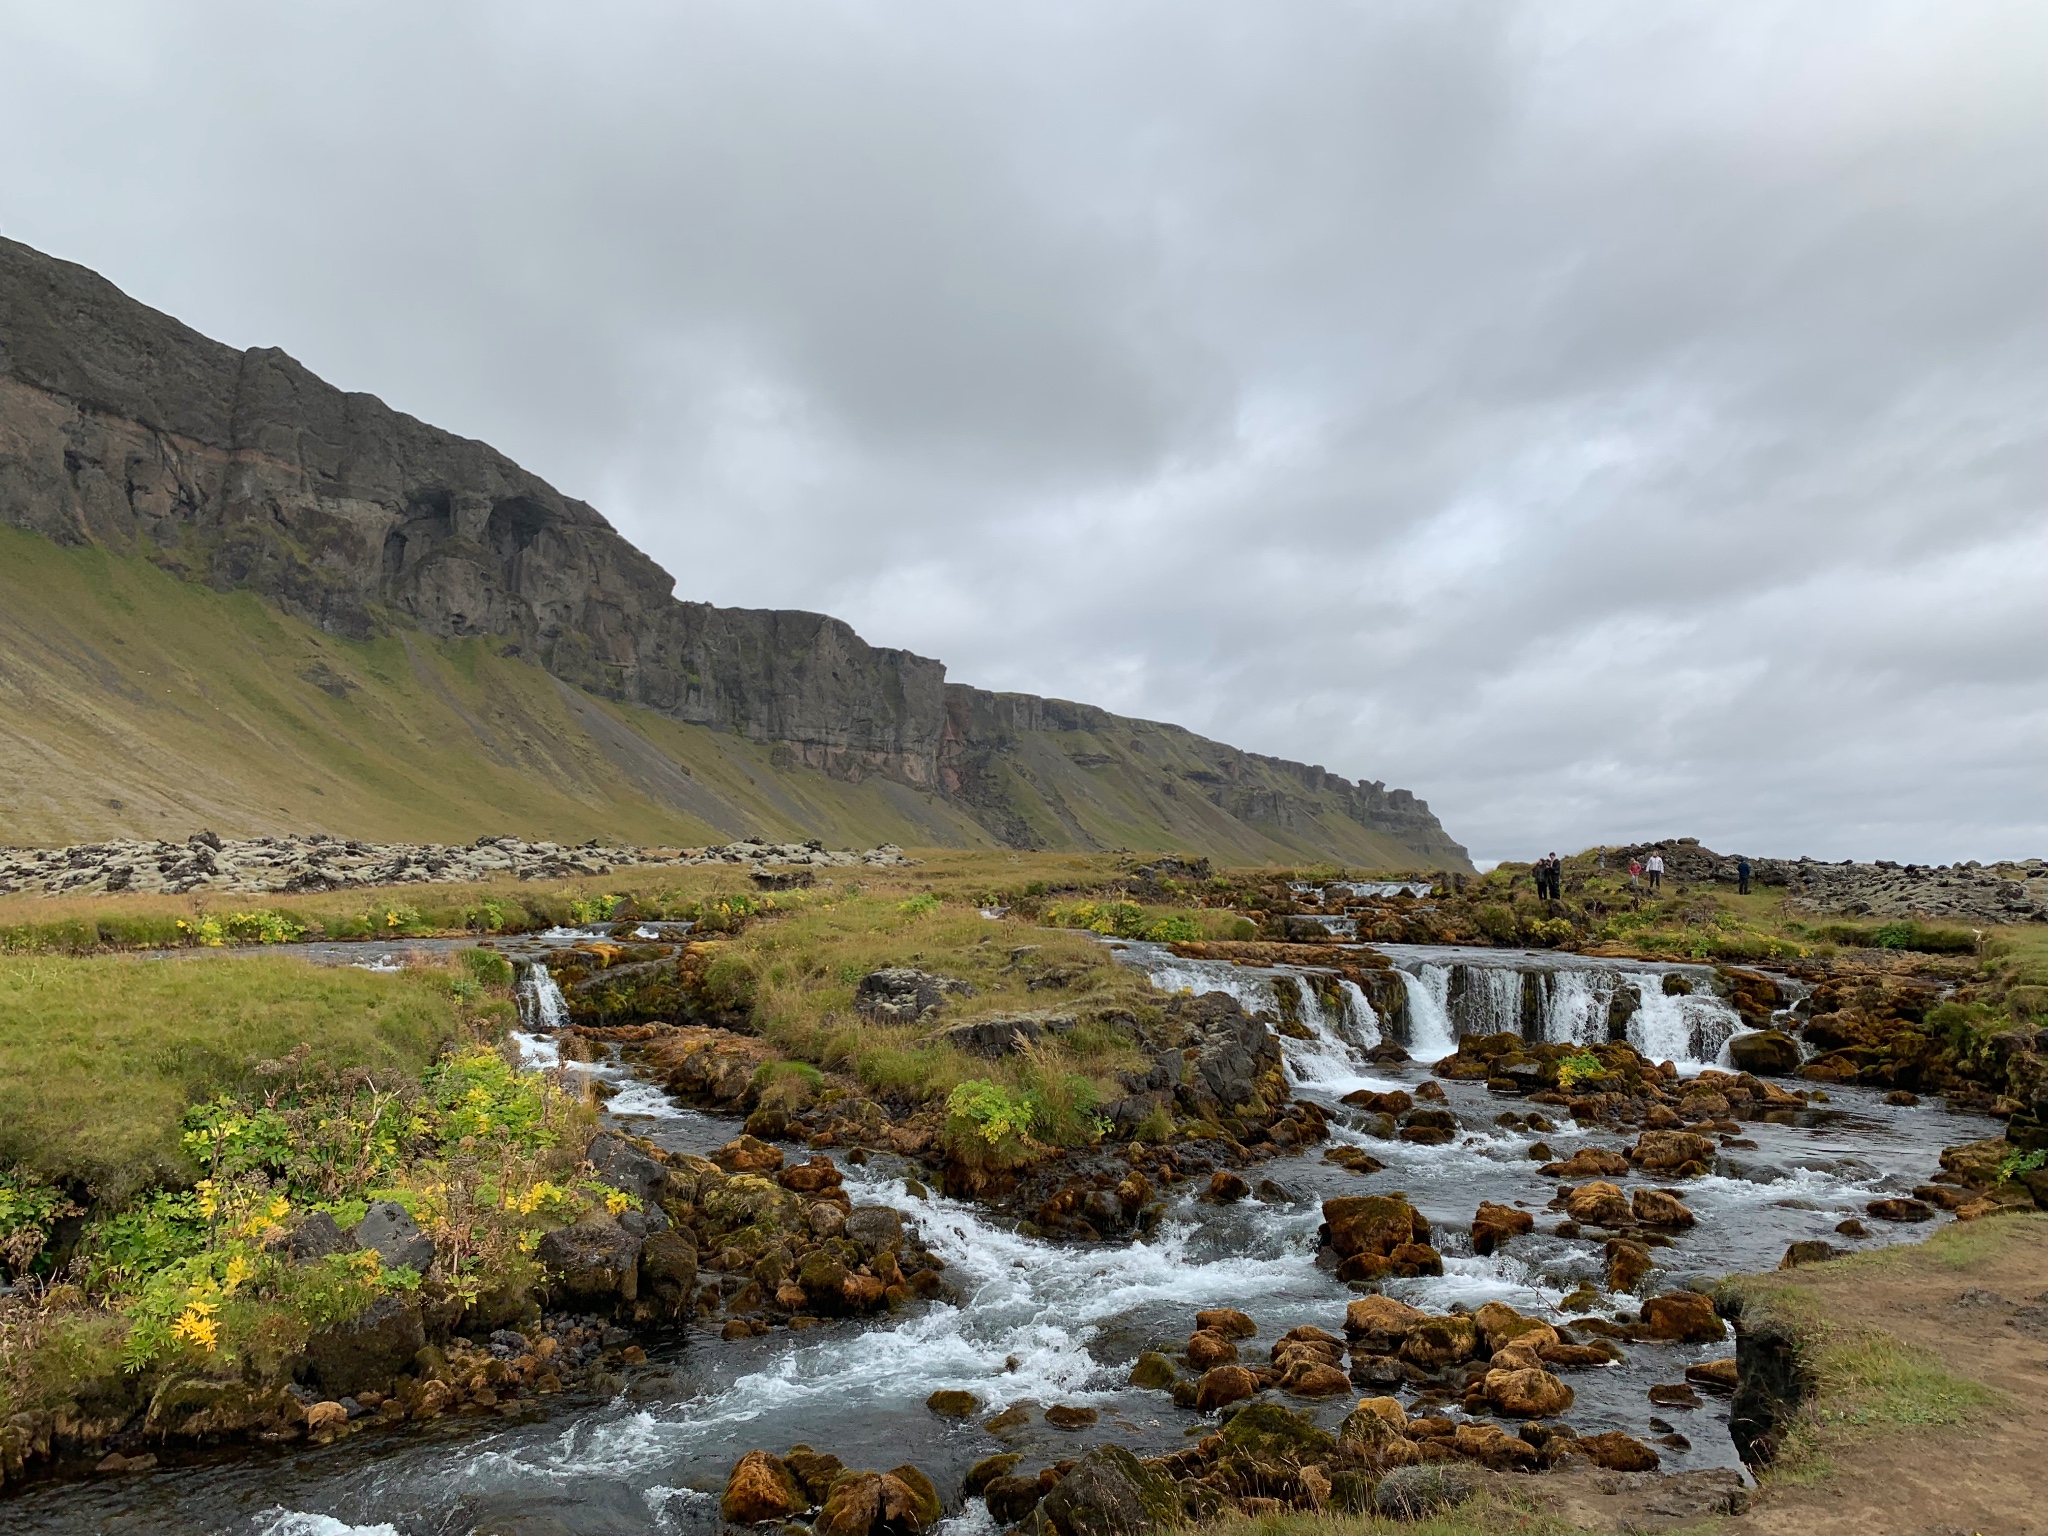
{"x": 1084, "y": 1140}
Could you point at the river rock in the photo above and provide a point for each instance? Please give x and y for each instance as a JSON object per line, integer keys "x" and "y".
{"x": 1372, "y": 1224}
{"x": 988, "y": 1469}
{"x": 1228, "y": 1321}
{"x": 1686, "y": 1317}
{"x": 668, "y": 1272}
{"x": 748, "y": 1154}
{"x": 1527, "y": 1394}
{"x": 595, "y": 1263}
{"x": 1618, "y": 1452}
{"x": 761, "y": 1488}
{"x": 396, "y": 1236}
{"x": 1768, "y": 1051}
{"x": 879, "y": 1504}
{"x": 813, "y": 1177}
{"x": 624, "y": 1166}
{"x": 1659, "y": 1208}
{"x": 1010, "y": 1498}
{"x": 1600, "y": 1204}
{"x": 1714, "y": 1375}
{"x": 1628, "y": 1263}
{"x": 1492, "y": 1446}
{"x": 368, "y": 1350}
{"x": 1226, "y": 1188}
{"x": 815, "y": 1470}
{"x": 1494, "y": 1224}
{"x": 1441, "y": 1341}
{"x": 1500, "y": 1324}
{"x": 1378, "y": 1324}
{"x": 952, "y": 1403}
{"x": 1808, "y": 1251}
{"x": 1524, "y": 1352}
{"x": 1207, "y": 1348}
{"x": 1679, "y": 1152}
{"x": 1901, "y": 1210}
{"x": 1237, "y": 1068}
{"x": 1587, "y": 1163}
{"x": 1112, "y": 1493}
{"x": 1153, "y": 1372}
{"x": 1224, "y": 1385}
{"x": 1070, "y": 1416}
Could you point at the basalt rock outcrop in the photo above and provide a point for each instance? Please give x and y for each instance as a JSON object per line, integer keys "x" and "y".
{"x": 123, "y": 429}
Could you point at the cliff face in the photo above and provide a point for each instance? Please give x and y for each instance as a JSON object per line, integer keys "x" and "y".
{"x": 123, "y": 429}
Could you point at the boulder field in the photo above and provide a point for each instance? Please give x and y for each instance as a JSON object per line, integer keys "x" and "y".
{"x": 290, "y": 865}
{"x": 1499, "y": 1368}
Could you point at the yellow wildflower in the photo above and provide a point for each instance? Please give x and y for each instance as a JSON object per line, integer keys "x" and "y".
{"x": 196, "y": 1325}
{"x": 239, "y": 1270}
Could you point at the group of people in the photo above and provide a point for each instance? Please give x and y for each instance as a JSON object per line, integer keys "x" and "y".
{"x": 1549, "y": 872}
{"x": 1653, "y": 868}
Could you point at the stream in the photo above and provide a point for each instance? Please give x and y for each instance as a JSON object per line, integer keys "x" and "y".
{"x": 1042, "y": 1322}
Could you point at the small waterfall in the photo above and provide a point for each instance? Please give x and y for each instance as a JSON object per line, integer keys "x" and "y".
{"x": 1492, "y": 1000}
{"x": 542, "y": 1008}
{"x": 1361, "y": 1026}
{"x": 1688, "y": 1029}
{"x": 1327, "y": 1058}
{"x": 1576, "y": 1005}
{"x": 1430, "y": 1035}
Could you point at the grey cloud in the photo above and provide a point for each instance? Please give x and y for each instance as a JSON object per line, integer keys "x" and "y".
{"x": 1604, "y": 420}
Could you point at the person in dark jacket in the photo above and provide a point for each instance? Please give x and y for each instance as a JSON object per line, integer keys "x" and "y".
{"x": 1742, "y": 877}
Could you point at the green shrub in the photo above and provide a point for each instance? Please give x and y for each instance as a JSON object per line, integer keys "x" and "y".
{"x": 989, "y": 1126}
{"x": 1579, "y": 1067}
{"x": 488, "y": 967}
{"x": 259, "y": 927}
{"x": 29, "y": 1210}
{"x": 158, "y": 1231}
{"x": 920, "y": 904}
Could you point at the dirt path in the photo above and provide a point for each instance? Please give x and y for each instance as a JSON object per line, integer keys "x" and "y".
{"x": 1933, "y": 1416}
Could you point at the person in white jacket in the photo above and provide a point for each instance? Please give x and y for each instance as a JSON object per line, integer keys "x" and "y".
{"x": 1655, "y": 870}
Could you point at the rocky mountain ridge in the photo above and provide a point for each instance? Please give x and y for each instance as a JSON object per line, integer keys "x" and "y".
{"x": 123, "y": 429}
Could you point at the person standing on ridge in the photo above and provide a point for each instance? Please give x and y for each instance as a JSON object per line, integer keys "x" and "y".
{"x": 1655, "y": 870}
{"x": 1556, "y": 876}
{"x": 1742, "y": 877}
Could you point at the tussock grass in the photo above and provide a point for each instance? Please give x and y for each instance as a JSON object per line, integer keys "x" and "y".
{"x": 100, "y": 1057}
{"x": 797, "y": 977}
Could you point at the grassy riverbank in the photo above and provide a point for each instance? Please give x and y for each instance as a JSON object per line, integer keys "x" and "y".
{"x": 100, "y": 1058}
{"x": 169, "y": 1127}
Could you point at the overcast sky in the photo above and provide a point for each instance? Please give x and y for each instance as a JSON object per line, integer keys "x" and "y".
{"x": 1606, "y": 420}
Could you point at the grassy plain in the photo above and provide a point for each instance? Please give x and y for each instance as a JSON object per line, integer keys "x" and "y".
{"x": 99, "y": 1058}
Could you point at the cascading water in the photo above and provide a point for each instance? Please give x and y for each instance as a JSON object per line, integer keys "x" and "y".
{"x": 1576, "y": 1005}
{"x": 1031, "y": 1318}
{"x": 1430, "y": 1035}
{"x": 1479, "y": 992}
{"x": 542, "y": 1008}
{"x": 1326, "y": 1059}
{"x": 1690, "y": 1030}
